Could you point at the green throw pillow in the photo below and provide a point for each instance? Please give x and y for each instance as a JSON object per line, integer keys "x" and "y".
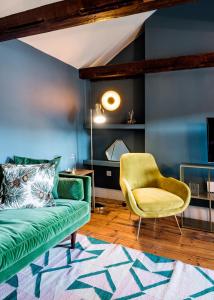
{"x": 28, "y": 186}
{"x": 19, "y": 160}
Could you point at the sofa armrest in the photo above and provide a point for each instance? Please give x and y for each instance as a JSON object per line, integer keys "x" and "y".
{"x": 70, "y": 188}
{"x": 86, "y": 184}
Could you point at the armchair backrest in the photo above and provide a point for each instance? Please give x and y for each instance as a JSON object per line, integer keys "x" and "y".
{"x": 139, "y": 169}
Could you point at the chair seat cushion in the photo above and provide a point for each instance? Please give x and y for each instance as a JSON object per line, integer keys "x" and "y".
{"x": 156, "y": 200}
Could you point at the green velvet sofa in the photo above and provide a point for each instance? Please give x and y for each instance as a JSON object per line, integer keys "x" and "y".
{"x": 25, "y": 234}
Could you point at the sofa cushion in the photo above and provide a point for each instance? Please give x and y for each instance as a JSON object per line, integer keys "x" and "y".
{"x": 24, "y": 230}
{"x": 28, "y": 186}
{"x": 71, "y": 188}
{"x": 19, "y": 160}
{"x": 156, "y": 200}
{"x": 9, "y": 161}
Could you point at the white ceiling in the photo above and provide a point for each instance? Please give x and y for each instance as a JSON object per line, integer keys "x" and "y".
{"x": 82, "y": 46}
{"x": 10, "y": 7}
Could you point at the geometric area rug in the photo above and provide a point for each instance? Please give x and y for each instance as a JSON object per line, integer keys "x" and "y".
{"x": 100, "y": 270}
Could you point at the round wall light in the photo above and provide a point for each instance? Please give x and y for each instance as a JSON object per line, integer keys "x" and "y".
{"x": 110, "y": 100}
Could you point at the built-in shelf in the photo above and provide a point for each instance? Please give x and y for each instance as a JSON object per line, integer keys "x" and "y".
{"x": 117, "y": 126}
{"x": 204, "y": 196}
{"x": 197, "y": 166}
{"x": 102, "y": 163}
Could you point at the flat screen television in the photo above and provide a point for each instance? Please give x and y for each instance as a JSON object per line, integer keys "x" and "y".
{"x": 210, "y": 139}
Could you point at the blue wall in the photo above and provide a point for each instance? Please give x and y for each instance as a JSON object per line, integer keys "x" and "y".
{"x": 41, "y": 105}
{"x": 177, "y": 103}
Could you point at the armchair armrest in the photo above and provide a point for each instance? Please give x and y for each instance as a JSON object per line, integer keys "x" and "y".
{"x": 86, "y": 184}
{"x": 176, "y": 187}
{"x": 130, "y": 197}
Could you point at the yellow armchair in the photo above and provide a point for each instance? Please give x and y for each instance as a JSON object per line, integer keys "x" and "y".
{"x": 147, "y": 192}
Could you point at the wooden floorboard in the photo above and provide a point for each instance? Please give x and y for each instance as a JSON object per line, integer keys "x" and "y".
{"x": 113, "y": 225}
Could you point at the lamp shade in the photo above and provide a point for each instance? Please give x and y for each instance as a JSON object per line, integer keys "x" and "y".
{"x": 111, "y": 100}
{"x": 99, "y": 116}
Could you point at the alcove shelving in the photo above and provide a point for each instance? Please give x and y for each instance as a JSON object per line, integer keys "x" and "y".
{"x": 116, "y": 127}
{"x": 103, "y": 163}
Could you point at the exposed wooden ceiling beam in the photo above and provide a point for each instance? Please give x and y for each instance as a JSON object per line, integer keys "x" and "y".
{"x": 138, "y": 68}
{"x": 69, "y": 13}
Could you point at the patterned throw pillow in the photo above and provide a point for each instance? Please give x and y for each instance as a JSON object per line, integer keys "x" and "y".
{"x": 20, "y": 160}
{"x": 27, "y": 186}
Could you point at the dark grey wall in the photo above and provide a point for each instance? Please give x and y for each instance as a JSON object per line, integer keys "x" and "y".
{"x": 177, "y": 103}
{"x": 132, "y": 92}
{"x": 132, "y": 97}
{"x": 41, "y": 105}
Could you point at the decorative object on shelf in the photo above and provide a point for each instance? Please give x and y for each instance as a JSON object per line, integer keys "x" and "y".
{"x": 74, "y": 163}
{"x": 131, "y": 119}
{"x": 115, "y": 151}
{"x": 194, "y": 187}
{"x": 110, "y": 100}
{"x": 210, "y": 186}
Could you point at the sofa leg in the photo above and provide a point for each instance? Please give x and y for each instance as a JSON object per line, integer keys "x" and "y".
{"x": 73, "y": 239}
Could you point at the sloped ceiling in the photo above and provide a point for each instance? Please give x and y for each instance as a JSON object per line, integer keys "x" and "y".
{"x": 82, "y": 46}
{"x": 9, "y": 7}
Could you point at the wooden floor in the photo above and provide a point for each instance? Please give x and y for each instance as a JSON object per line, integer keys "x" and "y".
{"x": 114, "y": 226}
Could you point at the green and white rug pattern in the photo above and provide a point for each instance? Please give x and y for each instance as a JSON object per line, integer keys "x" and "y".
{"x": 100, "y": 270}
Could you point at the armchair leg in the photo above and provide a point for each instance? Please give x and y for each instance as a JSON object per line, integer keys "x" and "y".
{"x": 176, "y": 219}
{"x": 138, "y": 230}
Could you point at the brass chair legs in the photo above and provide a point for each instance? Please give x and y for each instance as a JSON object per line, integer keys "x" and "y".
{"x": 176, "y": 219}
{"x": 138, "y": 230}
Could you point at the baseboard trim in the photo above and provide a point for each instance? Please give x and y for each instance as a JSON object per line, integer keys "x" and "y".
{"x": 109, "y": 194}
{"x": 199, "y": 213}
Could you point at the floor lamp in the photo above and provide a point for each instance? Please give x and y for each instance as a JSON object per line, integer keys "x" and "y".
{"x": 97, "y": 117}
{"x": 110, "y": 102}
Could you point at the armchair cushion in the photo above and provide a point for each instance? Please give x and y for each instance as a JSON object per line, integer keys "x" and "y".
{"x": 156, "y": 200}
